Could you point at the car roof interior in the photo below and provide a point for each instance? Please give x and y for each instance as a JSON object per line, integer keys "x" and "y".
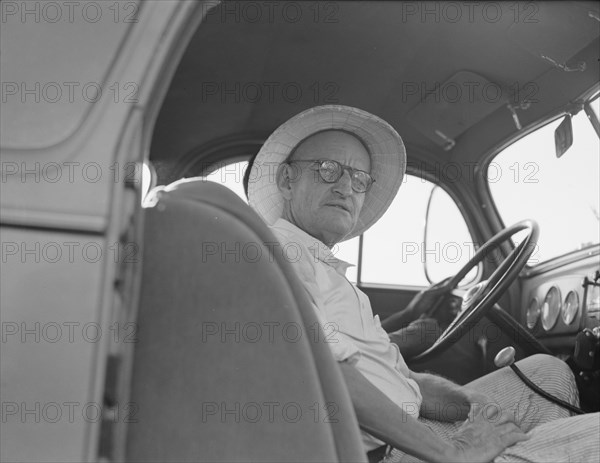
{"x": 449, "y": 87}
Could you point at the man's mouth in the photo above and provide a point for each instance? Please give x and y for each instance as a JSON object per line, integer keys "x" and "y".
{"x": 341, "y": 206}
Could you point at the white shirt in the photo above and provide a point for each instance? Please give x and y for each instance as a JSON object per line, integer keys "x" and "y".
{"x": 344, "y": 312}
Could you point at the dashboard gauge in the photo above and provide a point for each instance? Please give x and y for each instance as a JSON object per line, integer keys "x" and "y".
{"x": 570, "y": 308}
{"x": 551, "y": 308}
{"x": 533, "y": 313}
{"x": 593, "y": 300}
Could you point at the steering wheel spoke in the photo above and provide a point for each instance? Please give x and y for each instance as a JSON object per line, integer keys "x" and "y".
{"x": 479, "y": 298}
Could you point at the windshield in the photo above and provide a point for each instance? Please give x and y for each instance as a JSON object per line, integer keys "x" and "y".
{"x": 527, "y": 180}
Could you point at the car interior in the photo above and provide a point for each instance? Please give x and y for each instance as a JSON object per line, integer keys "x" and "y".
{"x": 498, "y": 107}
{"x": 459, "y": 91}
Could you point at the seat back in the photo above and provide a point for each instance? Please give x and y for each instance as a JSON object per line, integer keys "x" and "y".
{"x": 230, "y": 363}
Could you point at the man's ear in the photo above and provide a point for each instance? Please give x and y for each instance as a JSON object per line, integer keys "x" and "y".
{"x": 284, "y": 180}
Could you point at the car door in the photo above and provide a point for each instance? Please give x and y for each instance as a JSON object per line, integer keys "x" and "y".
{"x": 79, "y": 84}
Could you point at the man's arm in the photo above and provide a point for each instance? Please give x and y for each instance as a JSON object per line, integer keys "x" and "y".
{"x": 416, "y": 337}
{"x": 382, "y": 418}
{"x": 444, "y": 400}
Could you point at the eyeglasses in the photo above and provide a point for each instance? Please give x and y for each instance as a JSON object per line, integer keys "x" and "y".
{"x": 331, "y": 171}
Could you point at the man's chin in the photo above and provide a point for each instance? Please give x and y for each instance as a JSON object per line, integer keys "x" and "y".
{"x": 339, "y": 229}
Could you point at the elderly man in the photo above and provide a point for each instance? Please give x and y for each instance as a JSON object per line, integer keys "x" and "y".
{"x": 326, "y": 176}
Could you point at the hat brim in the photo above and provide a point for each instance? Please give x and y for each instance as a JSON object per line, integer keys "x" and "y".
{"x": 386, "y": 149}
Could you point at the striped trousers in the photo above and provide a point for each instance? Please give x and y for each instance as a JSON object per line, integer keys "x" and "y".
{"x": 554, "y": 435}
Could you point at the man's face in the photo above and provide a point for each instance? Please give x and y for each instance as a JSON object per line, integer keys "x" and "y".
{"x": 327, "y": 211}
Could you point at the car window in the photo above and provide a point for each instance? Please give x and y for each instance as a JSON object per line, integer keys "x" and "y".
{"x": 528, "y": 181}
{"x": 231, "y": 176}
{"x": 396, "y": 250}
{"x": 595, "y": 105}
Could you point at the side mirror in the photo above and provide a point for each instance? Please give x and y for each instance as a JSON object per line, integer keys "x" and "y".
{"x": 563, "y": 136}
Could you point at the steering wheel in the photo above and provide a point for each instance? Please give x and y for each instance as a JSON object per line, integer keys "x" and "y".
{"x": 480, "y": 298}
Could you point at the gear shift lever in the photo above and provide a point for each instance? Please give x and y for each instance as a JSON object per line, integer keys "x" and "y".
{"x": 506, "y": 357}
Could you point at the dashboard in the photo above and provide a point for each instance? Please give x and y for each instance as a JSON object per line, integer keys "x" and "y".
{"x": 559, "y": 300}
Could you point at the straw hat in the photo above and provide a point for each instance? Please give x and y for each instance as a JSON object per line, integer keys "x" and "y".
{"x": 387, "y": 152}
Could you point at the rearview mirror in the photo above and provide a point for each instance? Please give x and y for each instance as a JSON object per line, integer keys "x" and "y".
{"x": 563, "y": 136}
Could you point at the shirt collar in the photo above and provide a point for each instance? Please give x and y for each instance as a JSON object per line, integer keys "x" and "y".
{"x": 316, "y": 247}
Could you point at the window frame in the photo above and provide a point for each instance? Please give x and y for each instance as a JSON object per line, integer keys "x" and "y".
{"x": 205, "y": 159}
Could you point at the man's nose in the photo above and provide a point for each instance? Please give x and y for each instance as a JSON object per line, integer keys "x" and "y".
{"x": 344, "y": 185}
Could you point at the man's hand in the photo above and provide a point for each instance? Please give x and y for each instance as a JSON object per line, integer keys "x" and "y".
{"x": 418, "y": 306}
{"x": 478, "y": 401}
{"x": 426, "y": 299}
{"x": 481, "y": 439}
{"x": 420, "y": 335}
{"x": 481, "y": 403}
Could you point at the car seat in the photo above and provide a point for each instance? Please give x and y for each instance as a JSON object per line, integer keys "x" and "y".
{"x": 230, "y": 363}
